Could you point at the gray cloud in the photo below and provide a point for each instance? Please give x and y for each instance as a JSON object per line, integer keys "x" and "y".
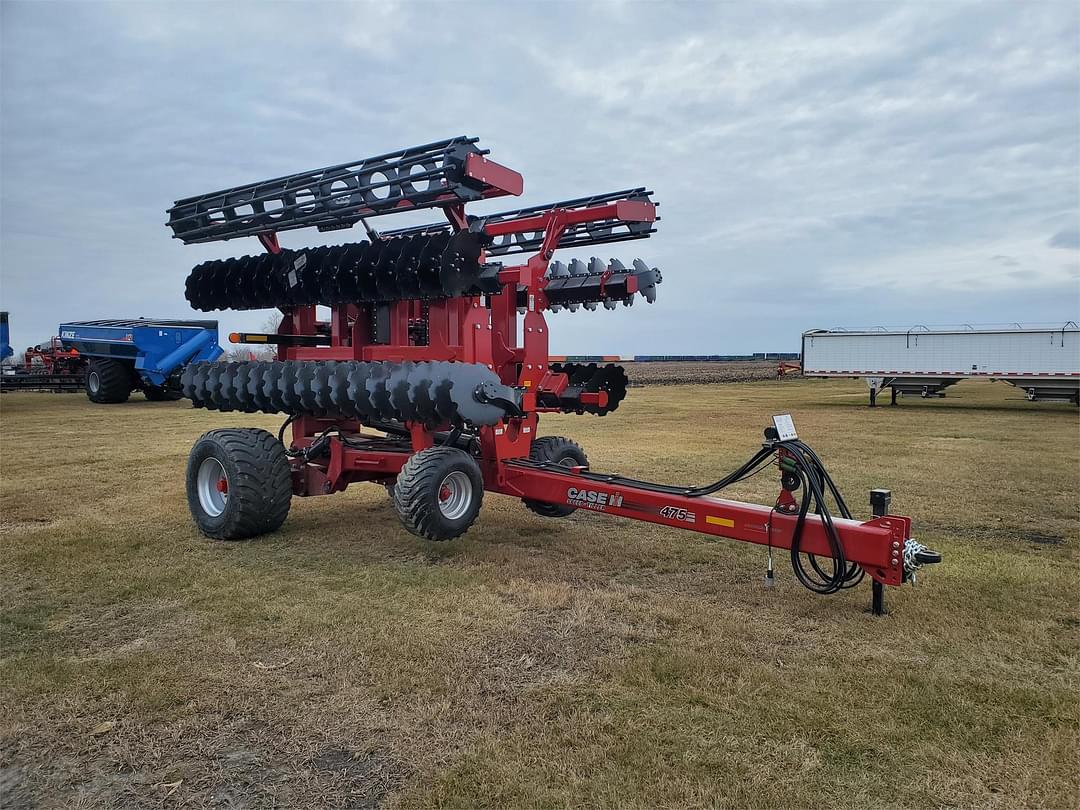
{"x": 1068, "y": 238}
{"x": 817, "y": 164}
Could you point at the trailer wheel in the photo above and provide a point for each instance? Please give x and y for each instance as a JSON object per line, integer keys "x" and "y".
{"x": 238, "y": 483}
{"x": 555, "y": 450}
{"x": 108, "y": 381}
{"x": 438, "y": 493}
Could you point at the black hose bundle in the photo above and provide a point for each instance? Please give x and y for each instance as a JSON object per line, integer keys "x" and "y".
{"x": 814, "y": 481}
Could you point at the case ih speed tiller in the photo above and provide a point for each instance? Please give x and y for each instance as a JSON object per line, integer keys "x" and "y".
{"x": 419, "y": 380}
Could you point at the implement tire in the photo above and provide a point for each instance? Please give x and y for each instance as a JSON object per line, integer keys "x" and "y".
{"x": 555, "y": 450}
{"x": 438, "y": 493}
{"x": 108, "y": 381}
{"x": 239, "y": 483}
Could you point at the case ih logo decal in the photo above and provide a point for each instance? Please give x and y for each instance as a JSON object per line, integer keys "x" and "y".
{"x": 675, "y": 513}
{"x": 591, "y": 499}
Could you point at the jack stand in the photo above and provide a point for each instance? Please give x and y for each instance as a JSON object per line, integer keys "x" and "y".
{"x": 770, "y": 578}
{"x": 877, "y": 599}
{"x": 879, "y": 503}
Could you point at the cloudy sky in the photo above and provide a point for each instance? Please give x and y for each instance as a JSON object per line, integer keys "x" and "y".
{"x": 817, "y": 164}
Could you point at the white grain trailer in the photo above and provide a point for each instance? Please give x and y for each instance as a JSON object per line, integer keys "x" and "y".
{"x": 1043, "y": 361}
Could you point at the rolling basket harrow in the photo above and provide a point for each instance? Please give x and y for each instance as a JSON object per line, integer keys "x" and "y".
{"x": 432, "y": 370}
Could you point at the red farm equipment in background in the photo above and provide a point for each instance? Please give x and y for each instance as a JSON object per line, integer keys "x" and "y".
{"x": 48, "y": 366}
{"x": 51, "y": 358}
{"x": 433, "y": 367}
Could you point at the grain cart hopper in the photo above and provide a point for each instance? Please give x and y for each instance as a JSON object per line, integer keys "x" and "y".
{"x": 431, "y": 372}
{"x": 139, "y": 354}
{"x": 5, "y": 338}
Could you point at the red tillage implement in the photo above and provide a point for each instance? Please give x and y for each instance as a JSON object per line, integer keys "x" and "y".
{"x": 423, "y": 379}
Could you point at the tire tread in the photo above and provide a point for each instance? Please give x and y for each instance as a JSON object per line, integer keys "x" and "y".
{"x": 262, "y": 486}
{"x": 421, "y": 473}
{"x": 553, "y": 448}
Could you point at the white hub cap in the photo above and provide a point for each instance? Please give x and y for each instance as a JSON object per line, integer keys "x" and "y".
{"x": 212, "y": 486}
{"x": 455, "y": 495}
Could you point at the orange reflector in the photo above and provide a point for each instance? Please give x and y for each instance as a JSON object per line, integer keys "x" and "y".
{"x": 234, "y": 337}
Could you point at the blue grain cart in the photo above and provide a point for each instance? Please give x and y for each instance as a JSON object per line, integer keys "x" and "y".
{"x": 5, "y": 338}
{"x": 139, "y": 355}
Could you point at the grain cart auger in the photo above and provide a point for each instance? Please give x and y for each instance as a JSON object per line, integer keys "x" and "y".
{"x": 419, "y": 381}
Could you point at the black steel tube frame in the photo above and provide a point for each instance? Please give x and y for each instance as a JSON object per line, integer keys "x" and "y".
{"x": 590, "y": 233}
{"x": 333, "y": 196}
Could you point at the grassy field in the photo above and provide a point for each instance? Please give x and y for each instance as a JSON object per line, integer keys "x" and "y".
{"x": 585, "y": 662}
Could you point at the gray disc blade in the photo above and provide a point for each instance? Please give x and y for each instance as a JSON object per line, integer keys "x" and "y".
{"x": 466, "y": 378}
{"x": 398, "y": 386}
{"x": 213, "y": 388}
{"x": 441, "y": 383}
{"x": 271, "y": 400}
{"x": 358, "y": 393}
{"x": 305, "y": 386}
{"x": 256, "y": 385}
{"x": 288, "y": 401}
{"x": 377, "y": 393}
{"x": 338, "y": 384}
{"x": 420, "y": 394}
{"x": 240, "y": 383}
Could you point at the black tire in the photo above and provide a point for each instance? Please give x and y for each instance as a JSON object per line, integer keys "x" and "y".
{"x": 258, "y": 483}
{"x": 421, "y": 499}
{"x": 157, "y": 393}
{"x": 555, "y": 450}
{"x": 108, "y": 382}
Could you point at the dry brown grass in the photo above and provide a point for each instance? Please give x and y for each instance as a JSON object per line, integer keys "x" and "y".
{"x": 586, "y": 662}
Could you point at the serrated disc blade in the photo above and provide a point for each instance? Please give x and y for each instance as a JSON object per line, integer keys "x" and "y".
{"x": 427, "y": 270}
{"x": 357, "y": 390}
{"x": 378, "y": 394}
{"x": 398, "y": 386}
{"x": 466, "y": 378}
{"x": 460, "y": 263}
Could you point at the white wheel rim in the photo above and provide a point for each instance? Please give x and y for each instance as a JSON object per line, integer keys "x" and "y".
{"x": 455, "y": 495}
{"x": 213, "y": 487}
{"x": 94, "y": 382}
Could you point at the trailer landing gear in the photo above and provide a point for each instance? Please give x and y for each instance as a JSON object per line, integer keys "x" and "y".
{"x": 879, "y": 504}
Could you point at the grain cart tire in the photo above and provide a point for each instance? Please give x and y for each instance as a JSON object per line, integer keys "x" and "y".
{"x": 438, "y": 493}
{"x": 158, "y": 393}
{"x": 555, "y": 450}
{"x": 238, "y": 483}
{"x": 108, "y": 381}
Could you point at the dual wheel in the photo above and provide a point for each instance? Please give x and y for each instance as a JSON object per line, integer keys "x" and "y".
{"x": 239, "y": 485}
{"x": 109, "y": 382}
